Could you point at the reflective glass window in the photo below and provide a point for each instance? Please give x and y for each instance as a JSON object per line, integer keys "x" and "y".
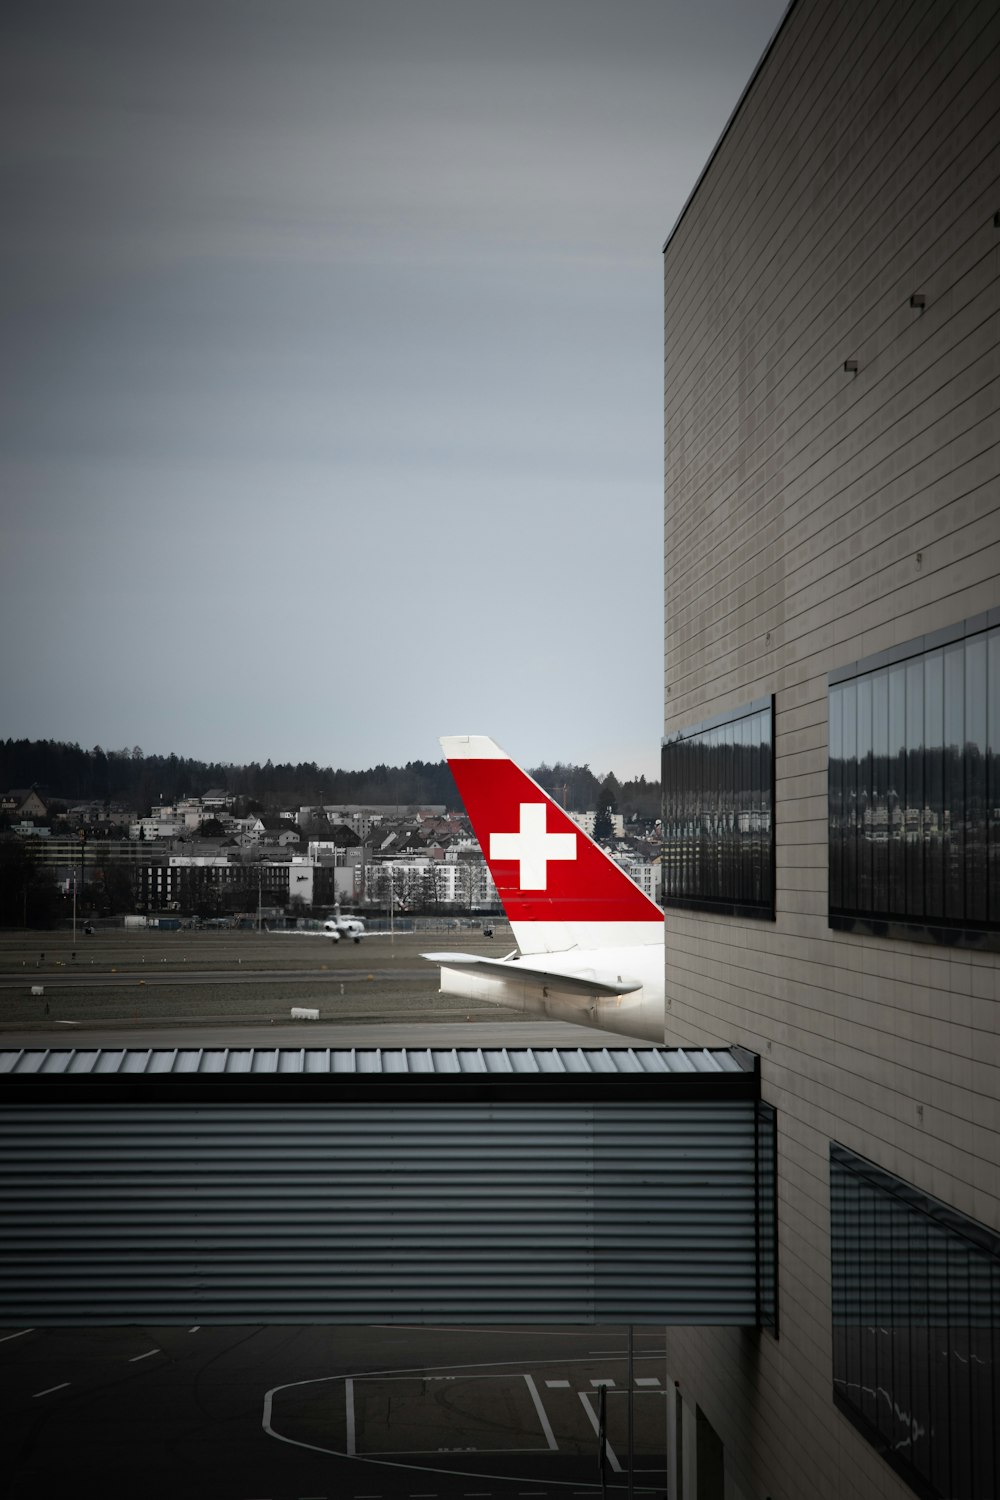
{"x": 718, "y": 825}
{"x": 914, "y": 792}
{"x": 916, "y": 1317}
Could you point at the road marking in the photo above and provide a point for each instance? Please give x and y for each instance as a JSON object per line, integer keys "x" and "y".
{"x": 143, "y": 1356}
{"x": 195, "y": 1329}
{"x": 558, "y": 1385}
{"x": 591, "y": 1413}
{"x": 50, "y": 1390}
{"x": 349, "y": 1398}
{"x": 550, "y": 1436}
{"x": 267, "y": 1414}
{"x": 602, "y": 1380}
{"x": 647, "y": 1380}
{"x": 8, "y": 1336}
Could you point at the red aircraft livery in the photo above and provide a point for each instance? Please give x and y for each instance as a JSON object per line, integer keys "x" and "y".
{"x": 589, "y": 942}
{"x": 546, "y": 869}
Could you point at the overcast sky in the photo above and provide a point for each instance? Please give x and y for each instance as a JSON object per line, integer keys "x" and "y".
{"x": 331, "y": 356}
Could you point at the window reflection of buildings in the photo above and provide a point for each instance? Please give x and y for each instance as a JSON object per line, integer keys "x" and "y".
{"x": 717, "y": 813}
{"x": 914, "y": 783}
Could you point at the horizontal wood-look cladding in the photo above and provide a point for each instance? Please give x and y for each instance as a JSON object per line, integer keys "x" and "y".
{"x": 814, "y": 516}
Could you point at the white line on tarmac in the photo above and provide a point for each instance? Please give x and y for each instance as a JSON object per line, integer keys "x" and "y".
{"x": 8, "y": 1336}
{"x": 550, "y": 1436}
{"x": 349, "y": 1398}
{"x": 591, "y": 1413}
{"x": 51, "y": 1389}
{"x": 143, "y": 1356}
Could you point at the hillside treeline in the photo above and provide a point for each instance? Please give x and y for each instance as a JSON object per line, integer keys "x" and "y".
{"x": 138, "y": 781}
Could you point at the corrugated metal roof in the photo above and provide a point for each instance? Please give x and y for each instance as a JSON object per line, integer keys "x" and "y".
{"x": 380, "y": 1061}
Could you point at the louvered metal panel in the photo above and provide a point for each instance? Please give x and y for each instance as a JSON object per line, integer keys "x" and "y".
{"x": 214, "y": 1062}
{"x": 432, "y": 1206}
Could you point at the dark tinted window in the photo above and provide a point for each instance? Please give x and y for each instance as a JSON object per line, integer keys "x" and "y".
{"x": 914, "y": 792}
{"x": 718, "y": 821}
{"x": 916, "y": 1329}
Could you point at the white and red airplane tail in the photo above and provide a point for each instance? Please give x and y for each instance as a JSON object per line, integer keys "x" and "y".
{"x": 558, "y": 888}
{"x": 591, "y": 941}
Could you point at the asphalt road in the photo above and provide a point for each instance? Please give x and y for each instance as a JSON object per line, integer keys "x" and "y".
{"x": 327, "y": 1413}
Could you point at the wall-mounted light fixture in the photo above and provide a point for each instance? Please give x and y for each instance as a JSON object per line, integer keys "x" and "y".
{"x": 918, "y": 300}
{"x": 851, "y": 366}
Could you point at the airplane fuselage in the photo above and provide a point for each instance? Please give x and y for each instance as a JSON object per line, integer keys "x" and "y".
{"x": 554, "y": 985}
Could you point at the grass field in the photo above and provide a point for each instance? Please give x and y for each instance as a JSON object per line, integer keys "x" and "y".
{"x": 163, "y": 977}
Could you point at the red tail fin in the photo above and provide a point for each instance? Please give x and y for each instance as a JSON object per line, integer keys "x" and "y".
{"x": 546, "y": 869}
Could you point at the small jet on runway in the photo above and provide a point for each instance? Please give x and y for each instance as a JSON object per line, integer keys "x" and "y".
{"x": 337, "y": 927}
{"x": 590, "y": 943}
{"x": 334, "y": 928}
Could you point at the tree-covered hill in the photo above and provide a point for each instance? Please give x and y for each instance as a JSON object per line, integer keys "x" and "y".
{"x": 138, "y": 781}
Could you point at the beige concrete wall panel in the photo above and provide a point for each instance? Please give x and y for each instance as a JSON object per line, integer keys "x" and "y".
{"x": 858, "y": 237}
{"x": 893, "y": 435}
{"x": 851, "y": 201}
{"x": 803, "y": 115}
{"x": 955, "y": 578}
{"x": 757, "y": 135}
{"x": 743, "y": 512}
{"x": 943, "y": 252}
{"x": 852, "y": 383}
{"x": 833, "y": 517}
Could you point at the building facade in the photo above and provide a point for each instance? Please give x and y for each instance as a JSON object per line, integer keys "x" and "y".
{"x": 831, "y": 759}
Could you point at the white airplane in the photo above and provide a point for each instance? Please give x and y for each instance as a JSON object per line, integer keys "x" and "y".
{"x": 337, "y": 927}
{"x": 590, "y": 943}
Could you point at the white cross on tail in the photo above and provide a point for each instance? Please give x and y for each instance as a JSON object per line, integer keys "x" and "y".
{"x": 532, "y": 846}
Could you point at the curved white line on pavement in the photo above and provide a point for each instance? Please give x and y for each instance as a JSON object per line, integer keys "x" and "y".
{"x": 385, "y": 1463}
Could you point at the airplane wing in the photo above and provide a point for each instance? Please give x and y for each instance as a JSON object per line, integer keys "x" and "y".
{"x": 589, "y": 982}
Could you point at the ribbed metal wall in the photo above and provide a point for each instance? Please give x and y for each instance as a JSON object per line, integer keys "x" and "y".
{"x": 335, "y": 1212}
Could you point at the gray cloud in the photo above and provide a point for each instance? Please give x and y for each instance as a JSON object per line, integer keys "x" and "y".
{"x": 331, "y": 365}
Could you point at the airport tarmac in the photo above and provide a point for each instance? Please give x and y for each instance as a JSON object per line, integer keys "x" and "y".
{"x": 219, "y": 988}
{"x": 258, "y": 1413}
{"x": 272, "y": 1413}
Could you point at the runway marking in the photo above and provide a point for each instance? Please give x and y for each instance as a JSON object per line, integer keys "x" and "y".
{"x": 8, "y": 1336}
{"x": 542, "y": 1417}
{"x": 603, "y": 1380}
{"x": 50, "y": 1390}
{"x": 349, "y": 1398}
{"x": 558, "y": 1385}
{"x": 195, "y": 1329}
{"x": 148, "y": 1352}
{"x": 591, "y": 1413}
{"x": 422, "y": 1370}
{"x": 647, "y": 1380}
